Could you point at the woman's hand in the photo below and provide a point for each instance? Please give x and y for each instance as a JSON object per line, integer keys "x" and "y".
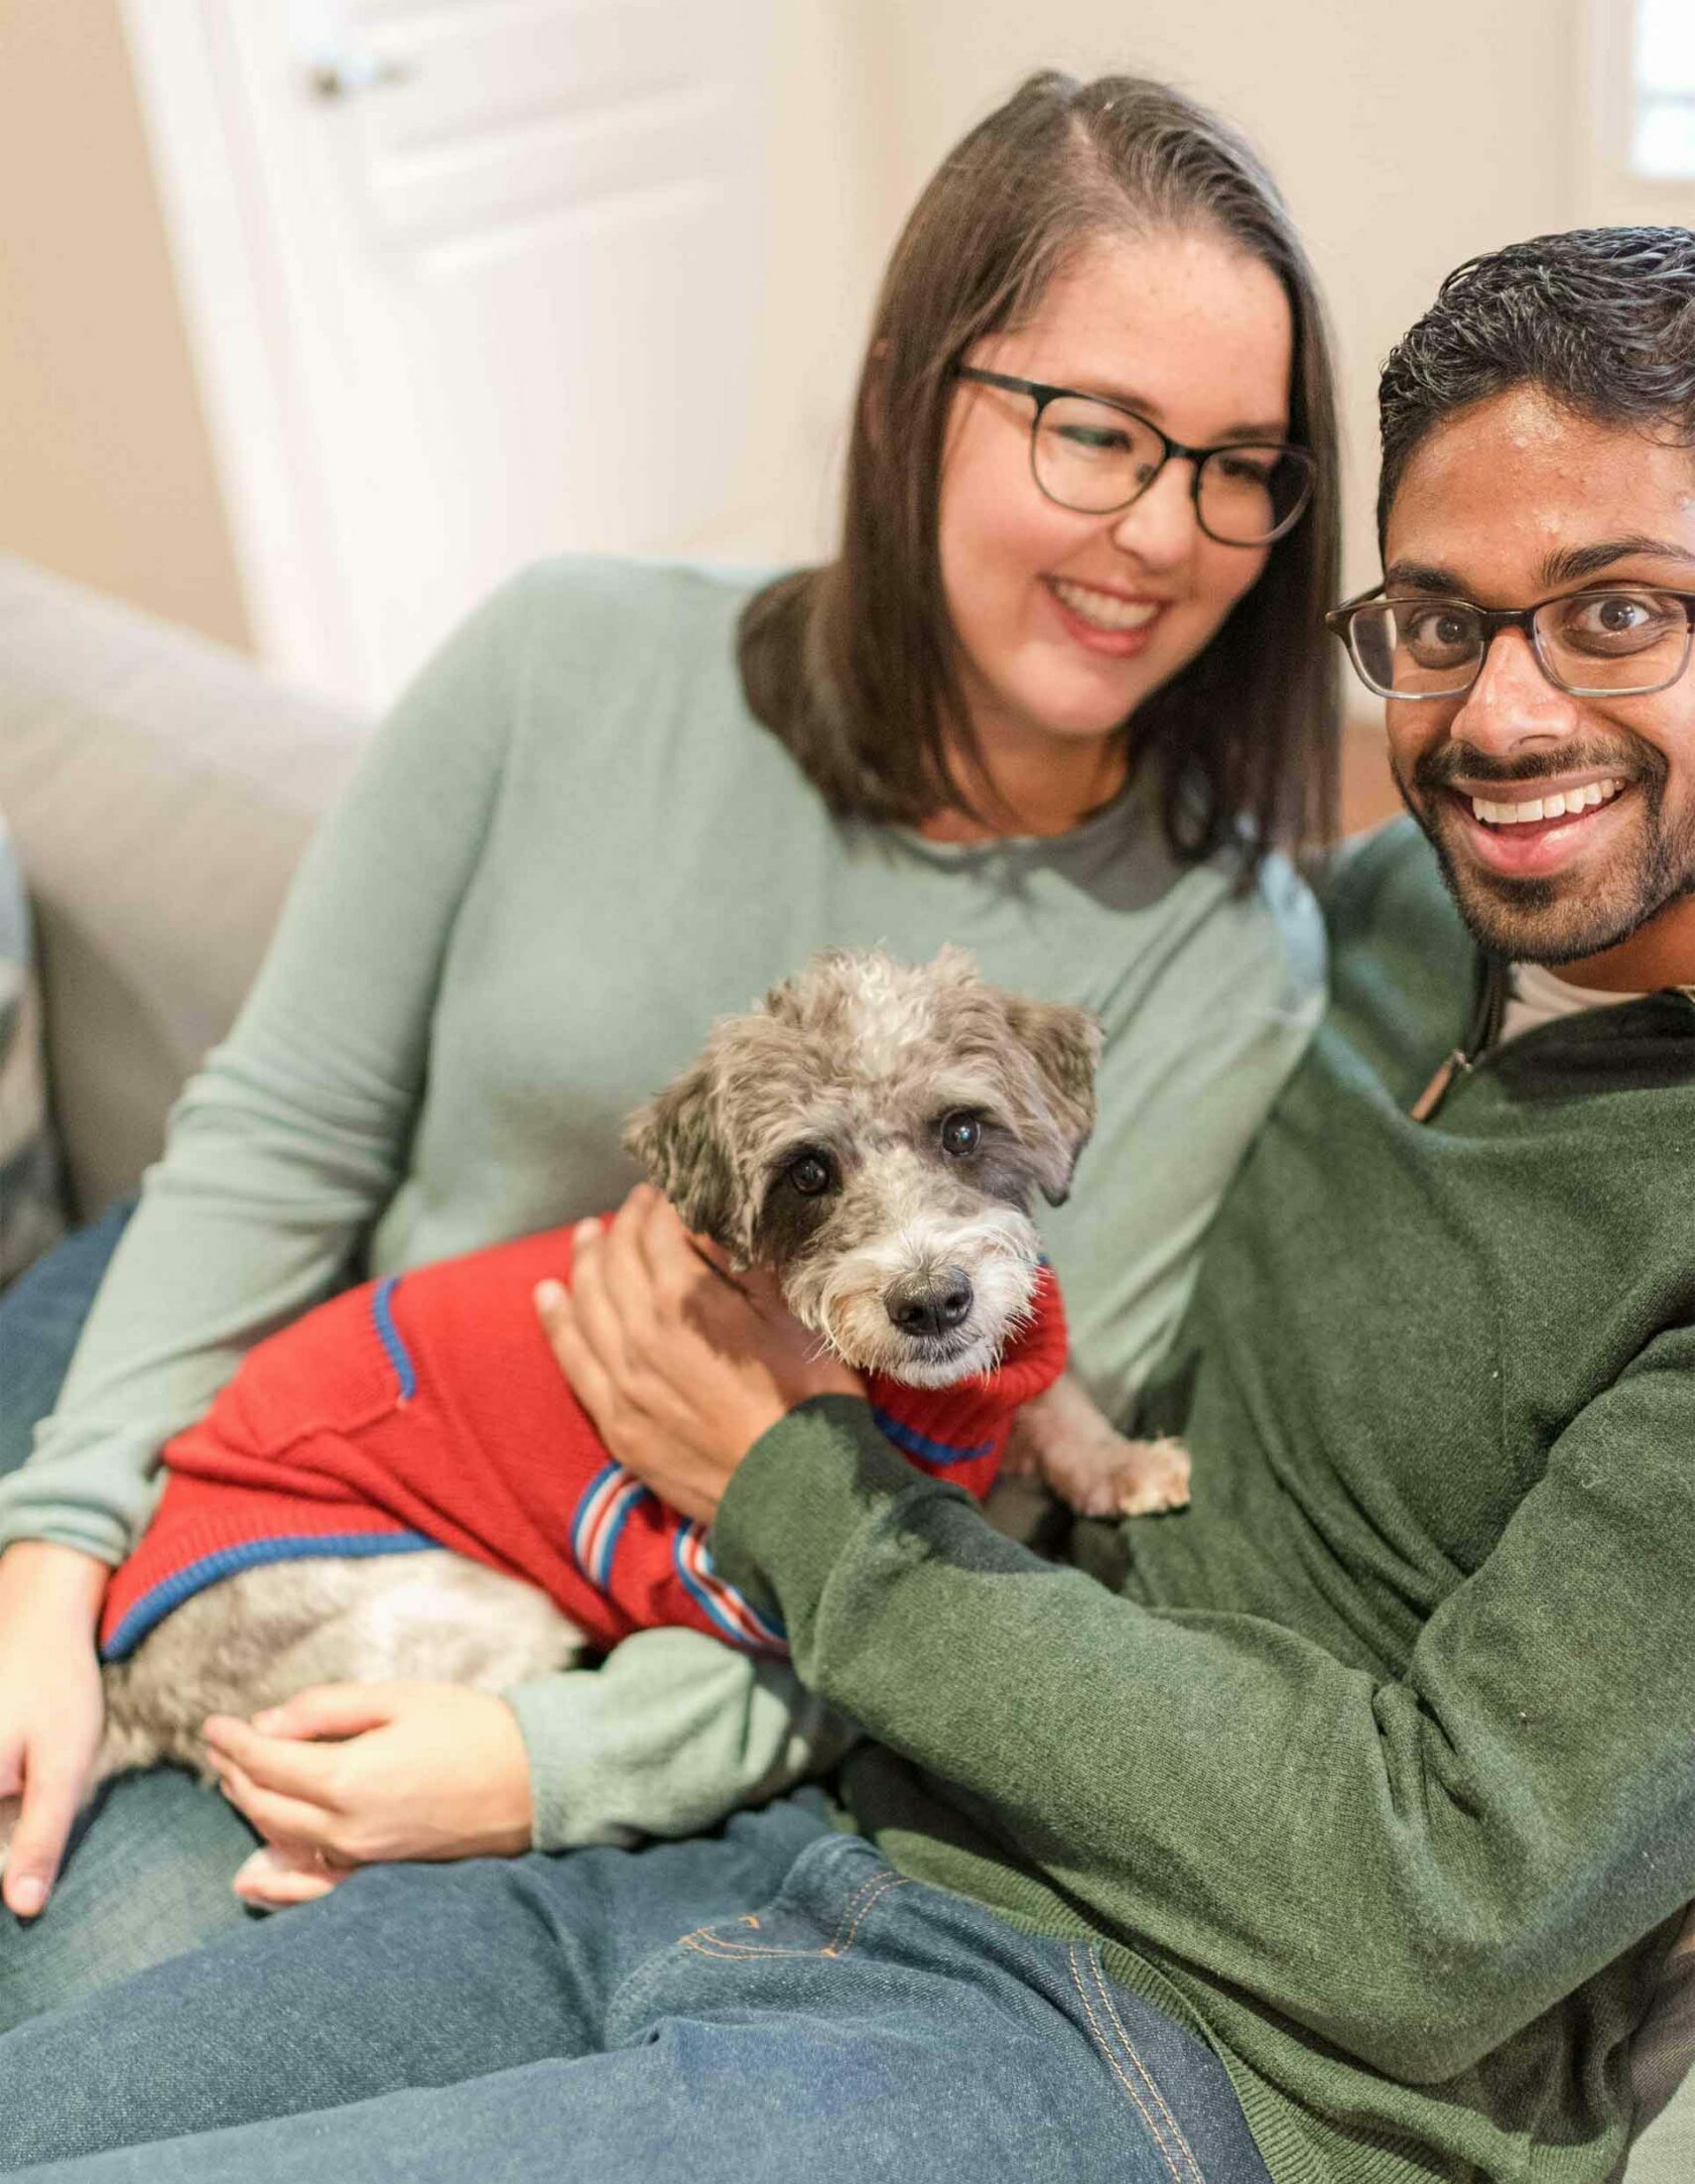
{"x": 52, "y": 1706}
{"x": 681, "y": 1368}
{"x": 353, "y": 1775}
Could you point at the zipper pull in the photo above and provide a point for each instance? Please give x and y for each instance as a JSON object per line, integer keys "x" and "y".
{"x": 1433, "y": 1094}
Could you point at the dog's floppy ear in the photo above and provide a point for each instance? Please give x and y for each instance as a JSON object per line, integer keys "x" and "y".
{"x": 676, "y": 1140}
{"x": 1063, "y": 1044}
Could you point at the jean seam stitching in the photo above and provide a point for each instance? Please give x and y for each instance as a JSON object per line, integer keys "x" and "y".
{"x": 707, "y": 1942}
{"x": 1146, "y": 2076}
{"x": 1117, "y": 2068}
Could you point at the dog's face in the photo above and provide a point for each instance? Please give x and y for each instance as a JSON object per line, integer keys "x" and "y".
{"x": 874, "y": 1135}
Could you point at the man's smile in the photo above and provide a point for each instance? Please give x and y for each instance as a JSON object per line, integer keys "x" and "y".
{"x": 1532, "y": 830}
{"x": 1549, "y": 803}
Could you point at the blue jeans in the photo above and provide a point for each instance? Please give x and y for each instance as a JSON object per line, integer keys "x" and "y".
{"x": 770, "y": 2002}
{"x": 150, "y": 1864}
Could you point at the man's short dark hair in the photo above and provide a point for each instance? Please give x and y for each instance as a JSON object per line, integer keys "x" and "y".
{"x": 1603, "y": 319}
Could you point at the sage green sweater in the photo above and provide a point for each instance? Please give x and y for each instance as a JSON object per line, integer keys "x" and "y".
{"x": 569, "y": 850}
{"x": 1378, "y": 1763}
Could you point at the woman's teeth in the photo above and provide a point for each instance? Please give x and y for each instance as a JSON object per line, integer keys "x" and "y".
{"x": 1548, "y": 807}
{"x": 1105, "y": 609}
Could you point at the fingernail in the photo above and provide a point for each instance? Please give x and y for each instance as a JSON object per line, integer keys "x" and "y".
{"x": 28, "y": 1897}
{"x": 548, "y": 1295}
{"x": 587, "y": 1231}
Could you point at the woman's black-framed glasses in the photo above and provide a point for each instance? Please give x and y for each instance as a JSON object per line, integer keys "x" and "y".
{"x": 1097, "y": 456}
{"x": 1609, "y": 641}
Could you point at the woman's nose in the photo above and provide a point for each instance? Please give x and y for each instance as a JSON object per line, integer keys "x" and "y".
{"x": 1160, "y": 529}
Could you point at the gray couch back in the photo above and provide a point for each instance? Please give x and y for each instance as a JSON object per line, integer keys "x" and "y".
{"x": 160, "y": 789}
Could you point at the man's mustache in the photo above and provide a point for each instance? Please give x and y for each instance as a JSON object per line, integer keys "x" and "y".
{"x": 1452, "y": 763}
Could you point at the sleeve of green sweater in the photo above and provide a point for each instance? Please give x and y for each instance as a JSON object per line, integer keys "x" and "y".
{"x": 292, "y": 1138}
{"x": 1471, "y": 1842}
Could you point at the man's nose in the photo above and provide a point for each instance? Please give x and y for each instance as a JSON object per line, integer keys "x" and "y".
{"x": 1512, "y": 709}
{"x": 1160, "y": 529}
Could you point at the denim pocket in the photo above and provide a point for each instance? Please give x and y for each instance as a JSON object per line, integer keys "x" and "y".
{"x": 820, "y": 1912}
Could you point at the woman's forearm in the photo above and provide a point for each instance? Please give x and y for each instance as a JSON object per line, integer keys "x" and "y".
{"x": 672, "y": 1734}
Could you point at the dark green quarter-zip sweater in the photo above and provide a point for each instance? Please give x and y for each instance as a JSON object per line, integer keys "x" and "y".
{"x": 1378, "y": 1764}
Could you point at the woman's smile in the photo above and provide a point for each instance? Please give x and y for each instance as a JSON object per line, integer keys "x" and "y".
{"x": 1117, "y": 623}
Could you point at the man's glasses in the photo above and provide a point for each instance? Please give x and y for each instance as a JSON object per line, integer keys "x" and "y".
{"x": 1621, "y": 642}
{"x": 1097, "y": 456}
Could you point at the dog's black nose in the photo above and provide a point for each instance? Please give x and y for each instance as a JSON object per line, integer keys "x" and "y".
{"x": 930, "y": 1304}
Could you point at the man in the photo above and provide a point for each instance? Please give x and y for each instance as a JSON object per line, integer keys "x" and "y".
{"x": 1374, "y": 1765}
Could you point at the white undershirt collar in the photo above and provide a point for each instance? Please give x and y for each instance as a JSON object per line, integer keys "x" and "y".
{"x": 1540, "y": 996}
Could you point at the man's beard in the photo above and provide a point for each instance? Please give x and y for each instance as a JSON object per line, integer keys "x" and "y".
{"x": 1571, "y": 915}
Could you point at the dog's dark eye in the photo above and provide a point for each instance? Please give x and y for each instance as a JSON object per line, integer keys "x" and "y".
{"x": 810, "y": 1175}
{"x": 961, "y": 1132}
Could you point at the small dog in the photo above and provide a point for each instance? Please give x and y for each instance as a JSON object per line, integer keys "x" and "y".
{"x": 873, "y": 1134}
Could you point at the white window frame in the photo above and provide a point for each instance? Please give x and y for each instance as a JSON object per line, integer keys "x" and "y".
{"x": 1610, "y": 190}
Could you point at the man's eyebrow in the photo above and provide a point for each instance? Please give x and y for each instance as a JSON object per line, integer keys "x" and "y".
{"x": 1423, "y": 576}
{"x": 1571, "y": 564}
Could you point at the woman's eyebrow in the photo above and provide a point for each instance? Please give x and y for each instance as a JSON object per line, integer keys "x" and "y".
{"x": 1276, "y": 429}
{"x": 1571, "y": 564}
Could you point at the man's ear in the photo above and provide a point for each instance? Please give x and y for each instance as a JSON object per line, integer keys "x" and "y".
{"x": 676, "y": 1138}
{"x": 1064, "y": 1046}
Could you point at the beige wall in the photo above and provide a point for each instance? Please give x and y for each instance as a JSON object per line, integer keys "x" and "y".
{"x": 1404, "y": 142}
{"x": 105, "y": 470}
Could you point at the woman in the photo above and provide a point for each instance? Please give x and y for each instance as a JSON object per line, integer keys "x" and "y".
{"x": 1057, "y": 697}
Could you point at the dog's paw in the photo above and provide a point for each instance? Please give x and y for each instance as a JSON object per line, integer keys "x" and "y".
{"x": 1154, "y": 1475}
{"x": 1113, "y": 1476}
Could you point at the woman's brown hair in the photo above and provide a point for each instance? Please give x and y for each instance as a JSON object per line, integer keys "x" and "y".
{"x": 852, "y": 665}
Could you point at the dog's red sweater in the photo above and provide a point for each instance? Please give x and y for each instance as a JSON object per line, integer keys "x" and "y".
{"x": 426, "y": 1410}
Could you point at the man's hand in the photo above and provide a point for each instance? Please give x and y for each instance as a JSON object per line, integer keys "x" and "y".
{"x": 681, "y": 1367}
{"x": 51, "y": 1707}
{"x": 354, "y": 1774}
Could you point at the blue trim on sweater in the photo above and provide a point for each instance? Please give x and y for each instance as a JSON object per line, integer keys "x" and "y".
{"x": 399, "y": 1357}
{"x": 921, "y": 1445}
{"x": 154, "y": 1605}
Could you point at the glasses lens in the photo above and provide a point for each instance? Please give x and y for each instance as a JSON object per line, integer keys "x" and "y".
{"x": 1613, "y": 641}
{"x": 1249, "y": 494}
{"x": 1415, "y": 648}
{"x": 1094, "y": 458}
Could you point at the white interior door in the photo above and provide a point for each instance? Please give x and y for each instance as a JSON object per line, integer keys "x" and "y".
{"x": 470, "y": 281}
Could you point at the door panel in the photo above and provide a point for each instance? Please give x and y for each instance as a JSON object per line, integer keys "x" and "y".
{"x": 513, "y": 262}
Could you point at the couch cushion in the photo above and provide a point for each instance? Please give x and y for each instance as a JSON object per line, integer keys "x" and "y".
{"x": 161, "y": 789}
{"x": 31, "y": 1195}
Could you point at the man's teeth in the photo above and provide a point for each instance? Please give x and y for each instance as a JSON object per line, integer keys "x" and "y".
{"x": 1103, "y": 610}
{"x": 1547, "y": 806}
